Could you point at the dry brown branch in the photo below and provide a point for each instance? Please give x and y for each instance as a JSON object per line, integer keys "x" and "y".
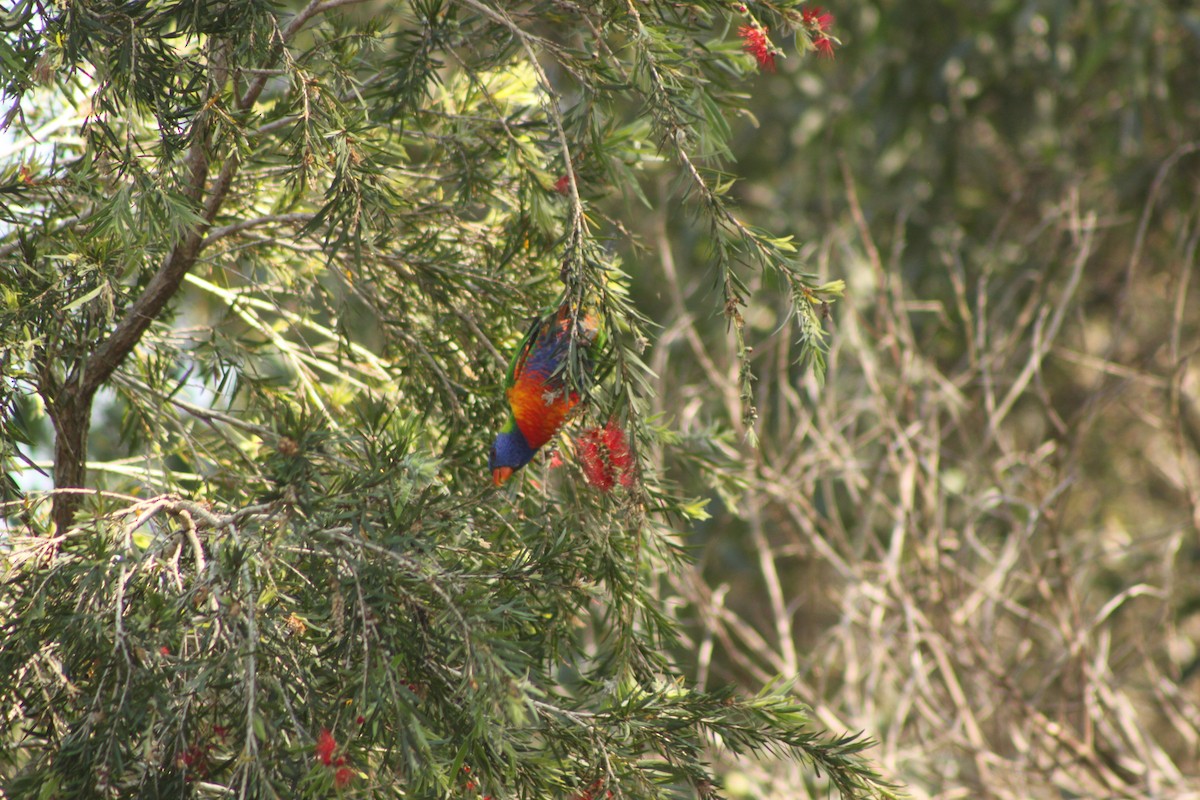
{"x": 939, "y": 564}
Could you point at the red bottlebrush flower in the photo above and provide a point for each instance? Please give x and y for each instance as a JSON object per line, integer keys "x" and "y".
{"x": 563, "y": 185}
{"x": 619, "y": 454}
{"x": 819, "y": 21}
{"x": 326, "y": 744}
{"x": 595, "y": 467}
{"x": 343, "y": 777}
{"x": 817, "y": 18}
{"x": 605, "y": 457}
{"x": 164, "y": 650}
{"x": 360, "y": 719}
{"x": 756, "y": 43}
{"x": 556, "y": 460}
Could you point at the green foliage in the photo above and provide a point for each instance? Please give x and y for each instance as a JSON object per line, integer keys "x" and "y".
{"x": 276, "y": 261}
{"x": 180, "y": 645}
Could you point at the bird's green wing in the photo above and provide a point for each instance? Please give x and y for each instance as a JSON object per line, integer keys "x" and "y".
{"x": 596, "y": 337}
{"x": 517, "y": 363}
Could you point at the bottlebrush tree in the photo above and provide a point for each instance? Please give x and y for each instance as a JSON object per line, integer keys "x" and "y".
{"x": 263, "y": 269}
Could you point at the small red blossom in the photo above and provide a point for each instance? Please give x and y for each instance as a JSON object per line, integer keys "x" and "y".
{"x": 819, "y": 21}
{"x": 556, "y": 459}
{"x": 756, "y": 43}
{"x": 343, "y": 777}
{"x": 605, "y": 457}
{"x": 563, "y": 184}
{"x": 592, "y": 791}
{"x": 326, "y": 744}
{"x": 194, "y": 760}
{"x": 360, "y": 719}
{"x": 164, "y": 650}
{"x": 817, "y": 18}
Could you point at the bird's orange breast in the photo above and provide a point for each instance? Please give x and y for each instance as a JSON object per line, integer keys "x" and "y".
{"x": 539, "y": 409}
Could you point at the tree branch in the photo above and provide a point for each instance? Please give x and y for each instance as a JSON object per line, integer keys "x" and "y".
{"x": 247, "y": 224}
{"x": 71, "y": 406}
{"x": 166, "y": 282}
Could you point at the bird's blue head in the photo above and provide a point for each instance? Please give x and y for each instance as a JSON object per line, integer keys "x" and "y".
{"x": 509, "y": 453}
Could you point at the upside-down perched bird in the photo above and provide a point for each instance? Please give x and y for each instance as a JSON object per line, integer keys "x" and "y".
{"x": 536, "y": 389}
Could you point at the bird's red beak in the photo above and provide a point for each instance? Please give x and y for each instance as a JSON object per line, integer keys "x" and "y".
{"x": 501, "y": 474}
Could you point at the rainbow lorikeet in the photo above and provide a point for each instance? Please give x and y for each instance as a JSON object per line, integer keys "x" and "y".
{"x": 537, "y": 395}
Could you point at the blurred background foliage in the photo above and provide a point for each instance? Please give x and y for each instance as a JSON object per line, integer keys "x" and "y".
{"x": 975, "y": 540}
{"x": 978, "y": 539}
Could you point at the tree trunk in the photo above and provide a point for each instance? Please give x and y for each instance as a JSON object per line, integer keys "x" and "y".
{"x": 71, "y": 408}
{"x": 72, "y": 417}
